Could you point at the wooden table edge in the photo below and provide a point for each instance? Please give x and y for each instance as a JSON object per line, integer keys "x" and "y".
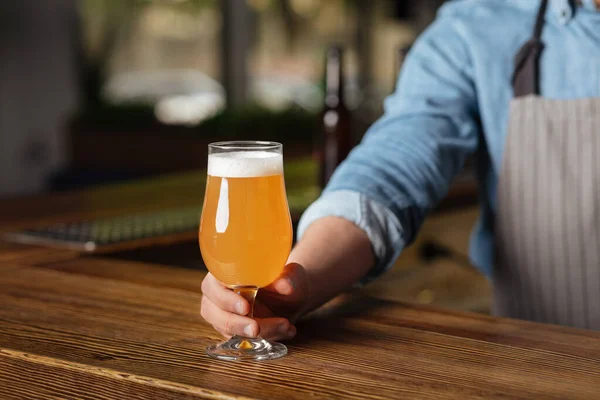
{"x": 109, "y": 373}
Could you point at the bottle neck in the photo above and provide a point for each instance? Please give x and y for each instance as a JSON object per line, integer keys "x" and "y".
{"x": 334, "y": 79}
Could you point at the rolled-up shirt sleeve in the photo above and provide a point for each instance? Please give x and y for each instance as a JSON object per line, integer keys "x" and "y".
{"x": 381, "y": 225}
{"x": 404, "y": 165}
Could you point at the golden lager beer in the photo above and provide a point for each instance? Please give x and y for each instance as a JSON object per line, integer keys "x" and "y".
{"x": 245, "y": 230}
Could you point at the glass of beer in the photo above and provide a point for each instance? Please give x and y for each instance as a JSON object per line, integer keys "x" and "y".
{"x": 245, "y": 230}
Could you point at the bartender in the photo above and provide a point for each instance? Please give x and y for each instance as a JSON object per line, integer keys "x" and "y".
{"x": 516, "y": 82}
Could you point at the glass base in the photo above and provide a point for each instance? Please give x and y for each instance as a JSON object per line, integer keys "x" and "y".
{"x": 239, "y": 348}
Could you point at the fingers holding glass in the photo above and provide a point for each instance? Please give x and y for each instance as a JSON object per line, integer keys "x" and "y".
{"x": 224, "y": 298}
{"x": 228, "y": 323}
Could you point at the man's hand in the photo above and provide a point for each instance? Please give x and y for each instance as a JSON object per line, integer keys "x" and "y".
{"x": 276, "y": 309}
{"x": 330, "y": 258}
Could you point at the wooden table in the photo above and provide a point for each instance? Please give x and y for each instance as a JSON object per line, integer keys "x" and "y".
{"x": 95, "y": 327}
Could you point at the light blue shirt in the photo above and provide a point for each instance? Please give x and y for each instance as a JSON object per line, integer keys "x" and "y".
{"x": 452, "y": 100}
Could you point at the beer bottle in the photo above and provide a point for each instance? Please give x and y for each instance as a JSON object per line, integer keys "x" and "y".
{"x": 335, "y": 125}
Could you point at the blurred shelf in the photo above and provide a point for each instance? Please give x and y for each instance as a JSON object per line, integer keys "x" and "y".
{"x": 151, "y": 152}
{"x": 132, "y": 140}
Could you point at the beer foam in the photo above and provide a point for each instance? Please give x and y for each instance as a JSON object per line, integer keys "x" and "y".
{"x": 245, "y": 164}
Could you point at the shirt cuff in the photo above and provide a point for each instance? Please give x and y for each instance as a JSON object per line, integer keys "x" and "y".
{"x": 379, "y": 223}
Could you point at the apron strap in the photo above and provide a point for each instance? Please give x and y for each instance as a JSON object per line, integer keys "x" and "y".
{"x": 526, "y": 76}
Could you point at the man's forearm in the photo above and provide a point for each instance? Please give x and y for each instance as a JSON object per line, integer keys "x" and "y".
{"x": 336, "y": 255}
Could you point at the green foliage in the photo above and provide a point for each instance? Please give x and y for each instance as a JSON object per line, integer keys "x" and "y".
{"x": 258, "y": 122}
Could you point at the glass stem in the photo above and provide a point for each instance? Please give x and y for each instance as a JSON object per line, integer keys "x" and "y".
{"x": 249, "y": 293}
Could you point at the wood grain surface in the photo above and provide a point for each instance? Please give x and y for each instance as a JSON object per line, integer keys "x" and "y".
{"x": 104, "y": 329}
{"x": 32, "y": 255}
{"x": 81, "y": 327}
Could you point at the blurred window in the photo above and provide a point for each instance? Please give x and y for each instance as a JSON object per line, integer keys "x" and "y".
{"x": 163, "y": 52}
{"x": 168, "y": 52}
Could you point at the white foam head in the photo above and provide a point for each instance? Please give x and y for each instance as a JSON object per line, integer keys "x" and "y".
{"x": 245, "y": 164}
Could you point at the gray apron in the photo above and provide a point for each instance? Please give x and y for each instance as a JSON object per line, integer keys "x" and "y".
{"x": 548, "y": 219}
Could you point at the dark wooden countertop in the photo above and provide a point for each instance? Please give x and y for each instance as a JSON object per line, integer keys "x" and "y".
{"x": 96, "y": 327}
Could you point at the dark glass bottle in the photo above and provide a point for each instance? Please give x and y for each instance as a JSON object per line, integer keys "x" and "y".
{"x": 335, "y": 120}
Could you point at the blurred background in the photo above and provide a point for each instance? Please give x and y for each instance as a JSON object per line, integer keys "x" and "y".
{"x": 97, "y": 92}
{"x": 86, "y": 83}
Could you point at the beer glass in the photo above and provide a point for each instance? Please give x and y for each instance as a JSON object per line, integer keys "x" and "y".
{"x": 245, "y": 230}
